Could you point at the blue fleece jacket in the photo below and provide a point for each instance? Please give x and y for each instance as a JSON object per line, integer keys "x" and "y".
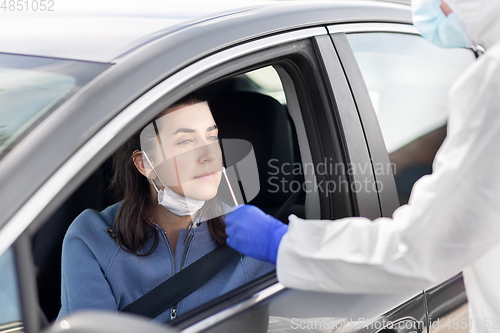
{"x": 98, "y": 274}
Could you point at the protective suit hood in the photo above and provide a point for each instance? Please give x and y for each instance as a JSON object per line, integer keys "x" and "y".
{"x": 481, "y": 18}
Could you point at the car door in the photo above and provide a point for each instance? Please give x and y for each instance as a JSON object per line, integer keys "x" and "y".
{"x": 293, "y": 310}
{"x": 317, "y": 87}
{"x": 407, "y": 80}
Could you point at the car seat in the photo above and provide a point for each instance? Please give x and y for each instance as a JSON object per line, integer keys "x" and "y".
{"x": 266, "y": 124}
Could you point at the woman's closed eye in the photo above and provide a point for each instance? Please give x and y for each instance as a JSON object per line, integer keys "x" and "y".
{"x": 185, "y": 142}
{"x": 213, "y": 138}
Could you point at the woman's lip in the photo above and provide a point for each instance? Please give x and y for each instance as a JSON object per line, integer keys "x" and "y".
{"x": 207, "y": 176}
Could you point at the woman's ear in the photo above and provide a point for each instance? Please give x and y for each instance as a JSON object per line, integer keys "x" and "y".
{"x": 142, "y": 165}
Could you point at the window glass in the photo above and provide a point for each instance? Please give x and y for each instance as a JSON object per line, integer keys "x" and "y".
{"x": 30, "y": 87}
{"x": 24, "y": 95}
{"x": 269, "y": 83}
{"x": 408, "y": 80}
{"x": 10, "y": 308}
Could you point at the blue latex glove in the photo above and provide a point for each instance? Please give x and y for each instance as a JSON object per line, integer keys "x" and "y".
{"x": 253, "y": 233}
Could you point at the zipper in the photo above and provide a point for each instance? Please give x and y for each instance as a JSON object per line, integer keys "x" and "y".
{"x": 169, "y": 248}
{"x": 186, "y": 249}
{"x": 173, "y": 312}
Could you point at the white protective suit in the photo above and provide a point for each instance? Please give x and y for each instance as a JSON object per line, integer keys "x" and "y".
{"x": 452, "y": 220}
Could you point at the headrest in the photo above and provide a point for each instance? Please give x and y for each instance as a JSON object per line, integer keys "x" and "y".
{"x": 264, "y": 122}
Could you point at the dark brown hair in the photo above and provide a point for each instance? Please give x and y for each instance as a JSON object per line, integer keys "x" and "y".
{"x": 133, "y": 224}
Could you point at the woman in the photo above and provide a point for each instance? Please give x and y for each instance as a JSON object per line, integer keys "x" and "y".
{"x": 169, "y": 174}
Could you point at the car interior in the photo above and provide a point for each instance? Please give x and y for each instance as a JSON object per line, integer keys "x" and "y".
{"x": 414, "y": 161}
{"x": 242, "y": 109}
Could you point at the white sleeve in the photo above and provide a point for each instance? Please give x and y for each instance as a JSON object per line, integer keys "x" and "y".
{"x": 453, "y": 216}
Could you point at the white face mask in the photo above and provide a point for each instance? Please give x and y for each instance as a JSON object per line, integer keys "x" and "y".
{"x": 175, "y": 203}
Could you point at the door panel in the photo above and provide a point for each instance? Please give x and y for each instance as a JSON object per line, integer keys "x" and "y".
{"x": 454, "y": 317}
{"x": 304, "y": 311}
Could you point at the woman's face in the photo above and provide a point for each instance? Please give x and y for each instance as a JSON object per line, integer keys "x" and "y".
{"x": 190, "y": 162}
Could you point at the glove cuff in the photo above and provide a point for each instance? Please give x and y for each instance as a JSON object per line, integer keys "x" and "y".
{"x": 277, "y": 235}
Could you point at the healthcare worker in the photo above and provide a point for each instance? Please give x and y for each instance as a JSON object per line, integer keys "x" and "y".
{"x": 452, "y": 221}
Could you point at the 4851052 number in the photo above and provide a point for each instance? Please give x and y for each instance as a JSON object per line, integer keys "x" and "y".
{"x": 27, "y": 5}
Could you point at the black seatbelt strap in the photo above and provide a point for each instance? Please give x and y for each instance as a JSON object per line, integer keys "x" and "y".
{"x": 180, "y": 285}
{"x": 288, "y": 203}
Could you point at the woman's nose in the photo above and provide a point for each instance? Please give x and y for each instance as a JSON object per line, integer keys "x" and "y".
{"x": 209, "y": 152}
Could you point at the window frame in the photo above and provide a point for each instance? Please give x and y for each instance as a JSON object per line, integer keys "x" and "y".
{"x": 388, "y": 197}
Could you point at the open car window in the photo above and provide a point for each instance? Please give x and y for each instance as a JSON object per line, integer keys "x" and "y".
{"x": 242, "y": 124}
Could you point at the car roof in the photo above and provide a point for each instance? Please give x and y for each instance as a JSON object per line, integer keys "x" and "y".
{"x": 102, "y": 32}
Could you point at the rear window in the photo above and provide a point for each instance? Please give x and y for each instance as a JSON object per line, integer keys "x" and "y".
{"x": 32, "y": 87}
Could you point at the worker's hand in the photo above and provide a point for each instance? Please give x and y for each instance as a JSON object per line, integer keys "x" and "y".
{"x": 252, "y": 232}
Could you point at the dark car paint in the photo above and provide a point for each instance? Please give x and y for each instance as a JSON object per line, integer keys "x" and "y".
{"x": 387, "y": 194}
{"x": 442, "y": 300}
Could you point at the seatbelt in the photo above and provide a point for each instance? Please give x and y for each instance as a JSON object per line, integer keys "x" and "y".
{"x": 180, "y": 285}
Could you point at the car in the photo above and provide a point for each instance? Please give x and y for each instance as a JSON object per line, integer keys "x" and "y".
{"x": 343, "y": 102}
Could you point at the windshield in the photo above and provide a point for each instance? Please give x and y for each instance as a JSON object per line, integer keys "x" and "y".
{"x": 31, "y": 87}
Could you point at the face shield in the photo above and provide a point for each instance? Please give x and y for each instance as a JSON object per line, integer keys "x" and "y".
{"x": 184, "y": 161}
